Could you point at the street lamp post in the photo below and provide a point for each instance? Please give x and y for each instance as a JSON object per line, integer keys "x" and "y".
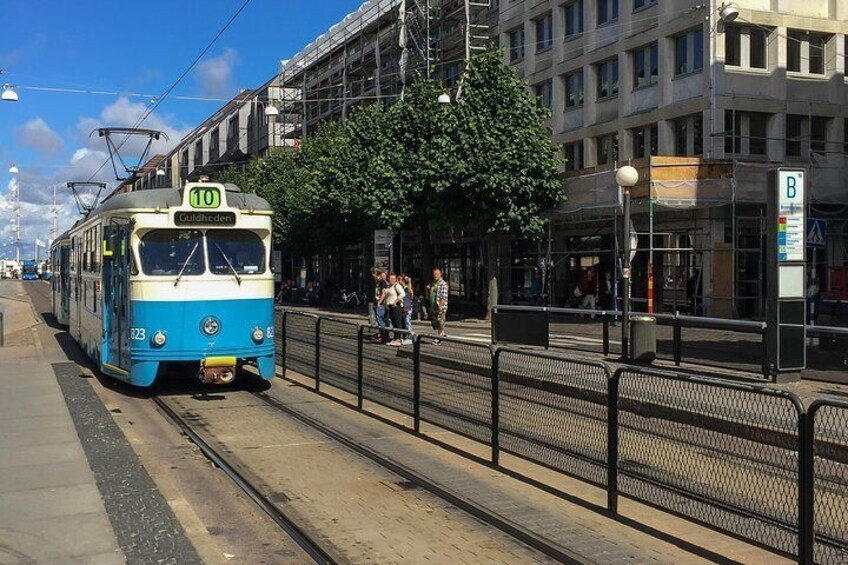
{"x": 626, "y": 177}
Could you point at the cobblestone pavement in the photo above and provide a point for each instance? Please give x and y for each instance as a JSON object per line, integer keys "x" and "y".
{"x": 575, "y": 521}
{"x": 363, "y": 512}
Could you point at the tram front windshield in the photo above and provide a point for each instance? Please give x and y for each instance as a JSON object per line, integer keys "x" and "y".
{"x": 235, "y": 250}
{"x": 171, "y": 252}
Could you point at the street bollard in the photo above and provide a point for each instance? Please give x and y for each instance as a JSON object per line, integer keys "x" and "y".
{"x": 2, "y": 330}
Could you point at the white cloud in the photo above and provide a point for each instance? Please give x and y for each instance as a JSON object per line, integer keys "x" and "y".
{"x": 36, "y": 134}
{"x": 214, "y": 74}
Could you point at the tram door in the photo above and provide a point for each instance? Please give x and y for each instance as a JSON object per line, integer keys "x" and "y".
{"x": 115, "y": 295}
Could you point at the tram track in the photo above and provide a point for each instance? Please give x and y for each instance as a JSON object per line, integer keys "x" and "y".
{"x": 527, "y": 537}
{"x": 302, "y": 538}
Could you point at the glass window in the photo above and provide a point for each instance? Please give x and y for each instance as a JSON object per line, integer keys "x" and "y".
{"x": 544, "y": 94}
{"x": 241, "y": 249}
{"x": 608, "y": 149}
{"x": 608, "y": 78}
{"x": 544, "y": 33}
{"x": 645, "y": 141}
{"x": 574, "y": 18}
{"x": 167, "y": 252}
{"x": 681, "y": 136}
{"x": 574, "y": 89}
{"x": 607, "y": 11}
{"x": 818, "y": 134}
{"x": 793, "y": 135}
{"x": 681, "y": 55}
{"x": 757, "y": 133}
{"x": 516, "y": 45}
{"x": 817, "y": 43}
{"x": 758, "y": 48}
{"x": 573, "y": 156}
{"x": 646, "y": 66}
{"x": 698, "y": 50}
{"x": 642, "y": 3}
{"x": 733, "y": 46}
{"x": 793, "y": 52}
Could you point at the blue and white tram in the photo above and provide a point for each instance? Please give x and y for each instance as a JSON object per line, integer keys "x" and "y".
{"x": 60, "y": 259}
{"x": 167, "y": 277}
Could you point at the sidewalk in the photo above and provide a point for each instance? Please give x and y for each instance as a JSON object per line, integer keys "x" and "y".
{"x": 739, "y": 353}
{"x": 71, "y": 488}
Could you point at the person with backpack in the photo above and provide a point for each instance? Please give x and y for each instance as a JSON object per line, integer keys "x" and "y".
{"x": 393, "y": 299}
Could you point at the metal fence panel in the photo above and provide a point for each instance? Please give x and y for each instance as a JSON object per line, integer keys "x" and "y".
{"x": 387, "y": 373}
{"x": 722, "y": 453}
{"x": 339, "y": 353}
{"x": 456, "y": 386}
{"x": 830, "y": 481}
{"x": 553, "y": 410}
{"x": 300, "y": 342}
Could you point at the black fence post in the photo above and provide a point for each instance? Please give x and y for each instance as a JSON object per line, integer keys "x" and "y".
{"x": 283, "y": 348}
{"x": 606, "y": 327}
{"x": 317, "y": 353}
{"x": 496, "y": 408}
{"x": 677, "y": 342}
{"x": 806, "y": 485}
{"x": 612, "y": 442}
{"x": 548, "y": 324}
{"x": 493, "y": 329}
{"x": 416, "y": 383}
{"x": 359, "y": 355}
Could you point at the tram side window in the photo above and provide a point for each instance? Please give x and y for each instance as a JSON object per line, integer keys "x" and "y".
{"x": 240, "y": 248}
{"x": 169, "y": 252}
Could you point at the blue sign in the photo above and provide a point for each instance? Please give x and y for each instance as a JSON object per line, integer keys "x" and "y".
{"x": 816, "y": 232}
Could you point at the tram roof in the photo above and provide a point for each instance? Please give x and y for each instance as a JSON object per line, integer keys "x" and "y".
{"x": 170, "y": 197}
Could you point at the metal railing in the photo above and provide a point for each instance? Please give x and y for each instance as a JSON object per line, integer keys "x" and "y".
{"x": 741, "y": 458}
{"x": 519, "y": 318}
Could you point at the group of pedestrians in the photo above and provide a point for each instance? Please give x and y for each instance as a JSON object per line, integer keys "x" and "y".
{"x": 396, "y": 303}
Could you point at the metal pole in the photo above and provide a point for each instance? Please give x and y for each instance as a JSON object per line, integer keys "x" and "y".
{"x": 625, "y": 280}
{"x": 2, "y": 330}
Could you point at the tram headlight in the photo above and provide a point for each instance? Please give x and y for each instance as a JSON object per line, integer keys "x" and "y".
{"x": 159, "y": 338}
{"x": 258, "y": 335}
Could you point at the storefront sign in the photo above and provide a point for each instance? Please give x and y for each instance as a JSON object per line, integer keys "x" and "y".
{"x": 383, "y": 248}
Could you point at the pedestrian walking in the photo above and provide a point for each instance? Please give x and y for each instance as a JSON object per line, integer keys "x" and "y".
{"x": 409, "y": 308}
{"x": 393, "y": 300}
{"x": 380, "y": 285}
{"x": 438, "y": 295}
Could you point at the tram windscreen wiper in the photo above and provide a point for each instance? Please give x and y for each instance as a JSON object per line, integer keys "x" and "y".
{"x": 229, "y": 263}
{"x": 183, "y": 268}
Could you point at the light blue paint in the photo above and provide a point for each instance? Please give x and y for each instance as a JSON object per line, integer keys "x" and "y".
{"x": 181, "y": 324}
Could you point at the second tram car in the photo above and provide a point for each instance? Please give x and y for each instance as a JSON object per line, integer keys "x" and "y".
{"x": 174, "y": 277}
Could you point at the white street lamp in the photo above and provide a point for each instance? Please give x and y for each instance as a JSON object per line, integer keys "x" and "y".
{"x": 444, "y": 98}
{"x": 626, "y": 177}
{"x": 9, "y": 95}
{"x": 13, "y": 170}
{"x": 271, "y": 110}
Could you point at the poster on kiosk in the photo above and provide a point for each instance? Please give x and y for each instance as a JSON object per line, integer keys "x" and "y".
{"x": 787, "y": 254}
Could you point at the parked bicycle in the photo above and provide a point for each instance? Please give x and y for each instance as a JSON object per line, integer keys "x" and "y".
{"x": 351, "y": 299}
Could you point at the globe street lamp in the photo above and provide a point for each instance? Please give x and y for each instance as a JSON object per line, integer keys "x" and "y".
{"x": 626, "y": 177}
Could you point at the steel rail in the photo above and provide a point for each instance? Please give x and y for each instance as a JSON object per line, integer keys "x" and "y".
{"x": 527, "y": 537}
{"x": 289, "y": 526}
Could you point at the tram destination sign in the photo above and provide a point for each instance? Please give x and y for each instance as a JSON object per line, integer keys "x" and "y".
{"x": 198, "y": 218}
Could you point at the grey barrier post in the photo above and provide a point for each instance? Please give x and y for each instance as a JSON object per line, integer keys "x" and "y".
{"x": 317, "y": 353}
{"x": 416, "y": 383}
{"x": 606, "y": 326}
{"x": 2, "y": 331}
{"x": 496, "y": 414}
{"x": 283, "y": 348}
{"x": 677, "y": 341}
{"x": 359, "y": 353}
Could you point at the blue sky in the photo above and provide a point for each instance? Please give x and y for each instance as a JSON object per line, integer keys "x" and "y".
{"x": 124, "y": 47}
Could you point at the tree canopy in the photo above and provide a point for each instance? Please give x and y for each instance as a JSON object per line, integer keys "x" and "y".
{"x": 486, "y": 162}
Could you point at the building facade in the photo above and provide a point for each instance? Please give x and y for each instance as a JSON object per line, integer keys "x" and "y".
{"x": 702, "y": 106}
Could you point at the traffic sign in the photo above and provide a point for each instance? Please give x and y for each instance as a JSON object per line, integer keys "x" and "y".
{"x": 816, "y": 232}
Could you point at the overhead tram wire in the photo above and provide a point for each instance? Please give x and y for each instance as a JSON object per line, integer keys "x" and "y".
{"x": 176, "y": 83}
